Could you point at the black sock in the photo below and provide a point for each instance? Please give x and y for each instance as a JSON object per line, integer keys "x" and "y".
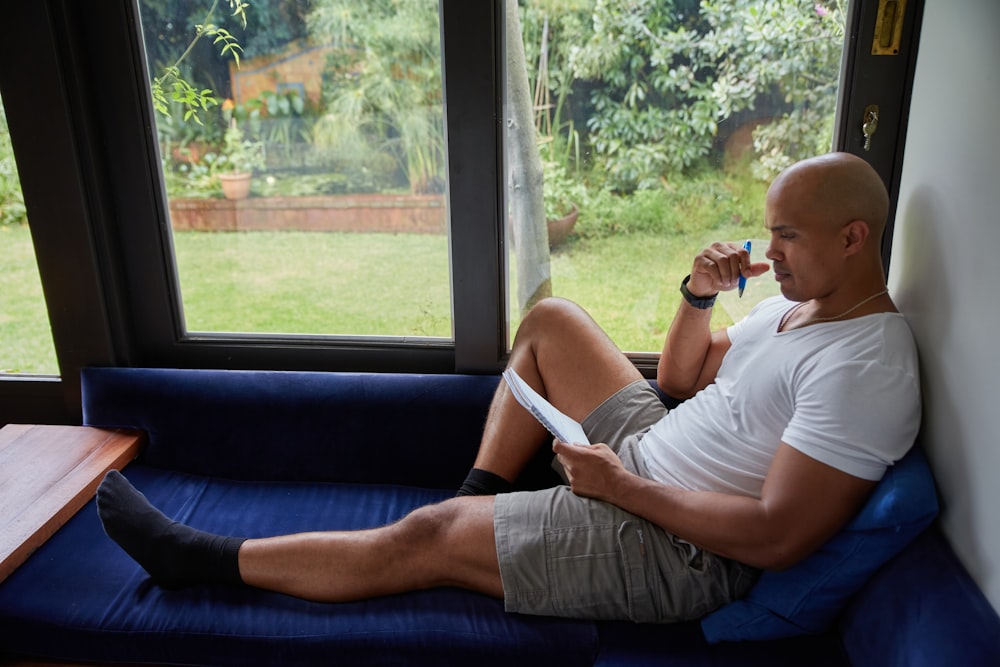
{"x": 175, "y": 555}
{"x": 484, "y": 483}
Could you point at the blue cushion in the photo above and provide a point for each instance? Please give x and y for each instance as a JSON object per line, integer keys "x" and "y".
{"x": 807, "y": 597}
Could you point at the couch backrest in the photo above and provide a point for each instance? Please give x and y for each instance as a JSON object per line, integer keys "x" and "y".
{"x": 421, "y": 430}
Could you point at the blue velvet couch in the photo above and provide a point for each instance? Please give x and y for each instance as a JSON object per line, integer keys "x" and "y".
{"x": 260, "y": 453}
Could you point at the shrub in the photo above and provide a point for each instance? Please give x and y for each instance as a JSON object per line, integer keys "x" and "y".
{"x": 693, "y": 205}
{"x": 665, "y": 73}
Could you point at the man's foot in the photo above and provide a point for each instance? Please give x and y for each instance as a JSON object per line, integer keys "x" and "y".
{"x": 173, "y": 554}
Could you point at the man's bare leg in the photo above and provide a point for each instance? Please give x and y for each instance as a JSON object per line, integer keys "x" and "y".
{"x": 449, "y": 544}
{"x": 565, "y": 356}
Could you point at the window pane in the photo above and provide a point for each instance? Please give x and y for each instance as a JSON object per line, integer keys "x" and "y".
{"x": 330, "y": 112}
{"x": 25, "y": 336}
{"x": 656, "y": 134}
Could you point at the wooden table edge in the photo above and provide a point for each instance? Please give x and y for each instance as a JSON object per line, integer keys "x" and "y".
{"x": 117, "y": 449}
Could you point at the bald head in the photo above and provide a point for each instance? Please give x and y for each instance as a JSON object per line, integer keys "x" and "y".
{"x": 837, "y": 188}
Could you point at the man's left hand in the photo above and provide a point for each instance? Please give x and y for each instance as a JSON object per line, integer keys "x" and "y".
{"x": 593, "y": 471}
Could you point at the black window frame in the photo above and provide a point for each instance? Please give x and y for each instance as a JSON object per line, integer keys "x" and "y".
{"x": 79, "y": 109}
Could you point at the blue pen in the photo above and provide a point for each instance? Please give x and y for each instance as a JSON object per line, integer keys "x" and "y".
{"x": 743, "y": 280}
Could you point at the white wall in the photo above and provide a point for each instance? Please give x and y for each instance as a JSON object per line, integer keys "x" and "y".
{"x": 945, "y": 270}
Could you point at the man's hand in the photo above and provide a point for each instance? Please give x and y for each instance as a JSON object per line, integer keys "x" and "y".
{"x": 718, "y": 268}
{"x": 593, "y": 471}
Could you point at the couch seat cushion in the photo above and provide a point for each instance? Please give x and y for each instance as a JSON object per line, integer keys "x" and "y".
{"x": 107, "y": 609}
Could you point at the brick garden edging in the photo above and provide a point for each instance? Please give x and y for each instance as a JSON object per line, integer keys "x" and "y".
{"x": 335, "y": 213}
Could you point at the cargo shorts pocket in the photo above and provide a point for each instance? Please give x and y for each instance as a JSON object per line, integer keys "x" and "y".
{"x": 640, "y": 573}
{"x": 602, "y": 572}
{"x": 583, "y": 572}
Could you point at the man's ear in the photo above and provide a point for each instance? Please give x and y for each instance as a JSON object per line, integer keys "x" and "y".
{"x": 854, "y": 235}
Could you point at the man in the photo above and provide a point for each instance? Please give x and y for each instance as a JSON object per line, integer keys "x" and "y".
{"x": 793, "y": 415}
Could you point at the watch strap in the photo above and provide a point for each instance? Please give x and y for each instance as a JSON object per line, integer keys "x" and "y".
{"x": 702, "y": 303}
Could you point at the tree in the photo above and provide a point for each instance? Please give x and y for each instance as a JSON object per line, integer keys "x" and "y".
{"x": 672, "y": 70}
{"x": 175, "y": 29}
{"x": 809, "y": 77}
{"x": 172, "y": 85}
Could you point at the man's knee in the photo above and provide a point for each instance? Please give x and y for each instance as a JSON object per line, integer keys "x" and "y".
{"x": 423, "y": 527}
{"x": 441, "y": 523}
{"x": 550, "y": 315}
{"x": 451, "y": 544}
{"x": 554, "y": 306}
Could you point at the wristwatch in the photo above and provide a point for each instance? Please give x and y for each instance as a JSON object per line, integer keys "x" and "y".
{"x": 703, "y": 303}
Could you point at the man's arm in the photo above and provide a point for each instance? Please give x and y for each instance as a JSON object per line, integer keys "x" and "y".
{"x": 692, "y": 353}
{"x": 803, "y": 503}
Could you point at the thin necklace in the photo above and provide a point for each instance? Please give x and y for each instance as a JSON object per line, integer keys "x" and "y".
{"x": 791, "y": 311}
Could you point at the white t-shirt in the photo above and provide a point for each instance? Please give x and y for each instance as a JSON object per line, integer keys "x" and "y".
{"x": 844, "y": 393}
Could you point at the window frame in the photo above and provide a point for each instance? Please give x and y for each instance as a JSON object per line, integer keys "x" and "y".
{"x": 887, "y": 81}
{"x": 157, "y": 332}
{"x": 78, "y": 106}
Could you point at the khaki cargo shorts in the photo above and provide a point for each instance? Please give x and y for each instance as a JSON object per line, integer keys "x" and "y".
{"x": 563, "y": 555}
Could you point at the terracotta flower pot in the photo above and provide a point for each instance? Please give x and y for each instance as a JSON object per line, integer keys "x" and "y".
{"x": 235, "y": 186}
{"x": 560, "y": 229}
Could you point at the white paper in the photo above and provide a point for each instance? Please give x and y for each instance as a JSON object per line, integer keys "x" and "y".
{"x": 559, "y": 424}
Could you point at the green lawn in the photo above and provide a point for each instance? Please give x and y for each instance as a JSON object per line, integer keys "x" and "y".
{"x": 375, "y": 284}
{"x": 397, "y": 284}
{"x": 25, "y": 337}
{"x": 315, "y": 283}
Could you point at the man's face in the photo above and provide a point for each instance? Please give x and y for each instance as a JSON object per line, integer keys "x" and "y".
{"x": 803, "y": 247}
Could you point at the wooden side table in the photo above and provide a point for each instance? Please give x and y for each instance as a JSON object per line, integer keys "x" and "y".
{"x": 47, "y": 473}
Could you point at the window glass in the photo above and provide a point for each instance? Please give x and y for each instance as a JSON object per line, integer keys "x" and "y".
{"x": 25, "y": 336}
{"x": 655, "y": 127}
{"x": 303, "y": 155}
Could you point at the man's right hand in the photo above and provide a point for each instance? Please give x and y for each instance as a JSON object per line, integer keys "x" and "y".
{"x": 692, "y": 353}
{"x": 718, "y": 268}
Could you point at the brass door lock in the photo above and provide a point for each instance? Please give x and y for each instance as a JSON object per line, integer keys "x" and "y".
{"x": 870, "y": 124}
